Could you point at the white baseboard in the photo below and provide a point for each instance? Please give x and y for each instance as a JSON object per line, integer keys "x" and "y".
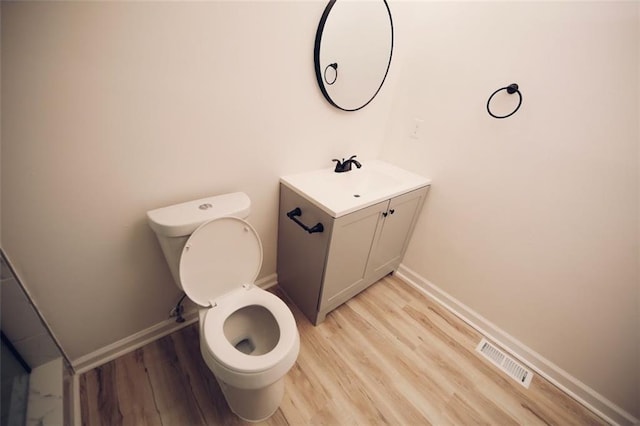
{"x": 545, "y": 368}
{"x": 143, "y": 337}
{"x": 268, "y": 281}
{"x": 131, "y": 343}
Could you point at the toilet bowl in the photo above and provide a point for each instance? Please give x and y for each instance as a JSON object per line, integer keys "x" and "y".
{"x": 249, "y": 346}
{"x": 248, "y": 336}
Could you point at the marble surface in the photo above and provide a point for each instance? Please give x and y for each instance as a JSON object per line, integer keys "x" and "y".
{"x": 14, "y": 386}
{"x": 45, "y": 395}
{"x": 14, "y": 413}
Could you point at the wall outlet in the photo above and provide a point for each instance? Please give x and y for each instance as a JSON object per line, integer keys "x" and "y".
{"x": 416, "y": 129}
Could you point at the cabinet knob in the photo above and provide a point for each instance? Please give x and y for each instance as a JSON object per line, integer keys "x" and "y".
{"x": 384, "y": 214}
{"x": 392, "y": 211}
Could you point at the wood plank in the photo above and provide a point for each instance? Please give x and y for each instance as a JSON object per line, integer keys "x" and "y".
{"x": 199, "y": 378}
{"x": 172, "y": 390}
{"x": 388, "y": 356}
{"x": 133, "y": 391}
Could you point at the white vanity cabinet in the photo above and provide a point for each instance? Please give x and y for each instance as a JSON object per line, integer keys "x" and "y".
{"x": 321, "y": 270}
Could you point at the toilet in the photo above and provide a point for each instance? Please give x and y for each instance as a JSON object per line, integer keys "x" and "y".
{"x": 248, "y": 336}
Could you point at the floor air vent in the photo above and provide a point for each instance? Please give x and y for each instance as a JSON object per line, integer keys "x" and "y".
{"x": 505, "y": 363}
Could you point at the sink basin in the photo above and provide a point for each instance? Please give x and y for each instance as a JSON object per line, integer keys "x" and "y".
{"x": 343, "y": 193}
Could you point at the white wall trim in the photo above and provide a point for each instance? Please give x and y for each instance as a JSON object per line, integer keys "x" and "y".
{"x": 75, "y": 409}
{"x": 131, "y": 343}
{"x": 268, "y": 281}
{"x": 609, "y": 411}
{"x": 143, "y": 337}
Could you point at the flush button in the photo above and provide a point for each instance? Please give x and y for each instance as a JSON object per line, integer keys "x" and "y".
{"x": 205, "y": 206}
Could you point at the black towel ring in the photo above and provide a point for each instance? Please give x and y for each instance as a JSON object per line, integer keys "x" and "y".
{"x": 334, "y": 66}
{"x": 511, "y": 89}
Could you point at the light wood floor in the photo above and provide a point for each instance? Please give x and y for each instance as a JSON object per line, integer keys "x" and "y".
{"x": 388, "y": 356}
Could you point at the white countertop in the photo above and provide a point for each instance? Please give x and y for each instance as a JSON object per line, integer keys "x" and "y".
{"x": 339, "y": 194}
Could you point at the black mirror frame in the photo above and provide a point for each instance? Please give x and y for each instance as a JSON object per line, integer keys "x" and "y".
{"x": 316, "y": 56}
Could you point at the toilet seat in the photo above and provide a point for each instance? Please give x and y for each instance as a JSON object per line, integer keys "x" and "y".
{"x": 220, "y": 256}
{"x": 219, "y": 263}
{"x": 225, "y": 353}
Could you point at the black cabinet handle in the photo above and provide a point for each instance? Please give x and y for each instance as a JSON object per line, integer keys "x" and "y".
{"x": 392, "y": 211}
{"x": 293, "y": 215}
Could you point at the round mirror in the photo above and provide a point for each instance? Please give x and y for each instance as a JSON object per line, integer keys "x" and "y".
{"x": 353, "y": 49}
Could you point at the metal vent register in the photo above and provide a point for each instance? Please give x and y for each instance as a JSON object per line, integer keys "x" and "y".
{"x": 505, "y": 363}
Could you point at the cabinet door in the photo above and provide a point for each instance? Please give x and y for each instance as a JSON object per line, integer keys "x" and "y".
{"x": 349, "y": 251}
{"x": 395, "y": 231}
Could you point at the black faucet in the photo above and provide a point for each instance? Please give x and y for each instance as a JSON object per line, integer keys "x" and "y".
{"x": 345, "y": 166}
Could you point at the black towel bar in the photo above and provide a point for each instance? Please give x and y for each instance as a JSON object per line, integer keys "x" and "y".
{"x": 293, "y": 215}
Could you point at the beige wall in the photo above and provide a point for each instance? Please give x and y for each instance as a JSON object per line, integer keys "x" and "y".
{"x": 109, "y": 110}
{"x": 112, "y": 109}
{"x": 532, "y": 221}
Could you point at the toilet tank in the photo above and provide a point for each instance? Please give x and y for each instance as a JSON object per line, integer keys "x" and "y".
{"x": 174, "y": 224}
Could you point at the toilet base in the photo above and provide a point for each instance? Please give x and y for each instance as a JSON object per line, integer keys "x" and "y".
{"x": 253, "y": 405}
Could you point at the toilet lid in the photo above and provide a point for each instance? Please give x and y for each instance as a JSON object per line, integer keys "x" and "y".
{"x": 221, "y": 255}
